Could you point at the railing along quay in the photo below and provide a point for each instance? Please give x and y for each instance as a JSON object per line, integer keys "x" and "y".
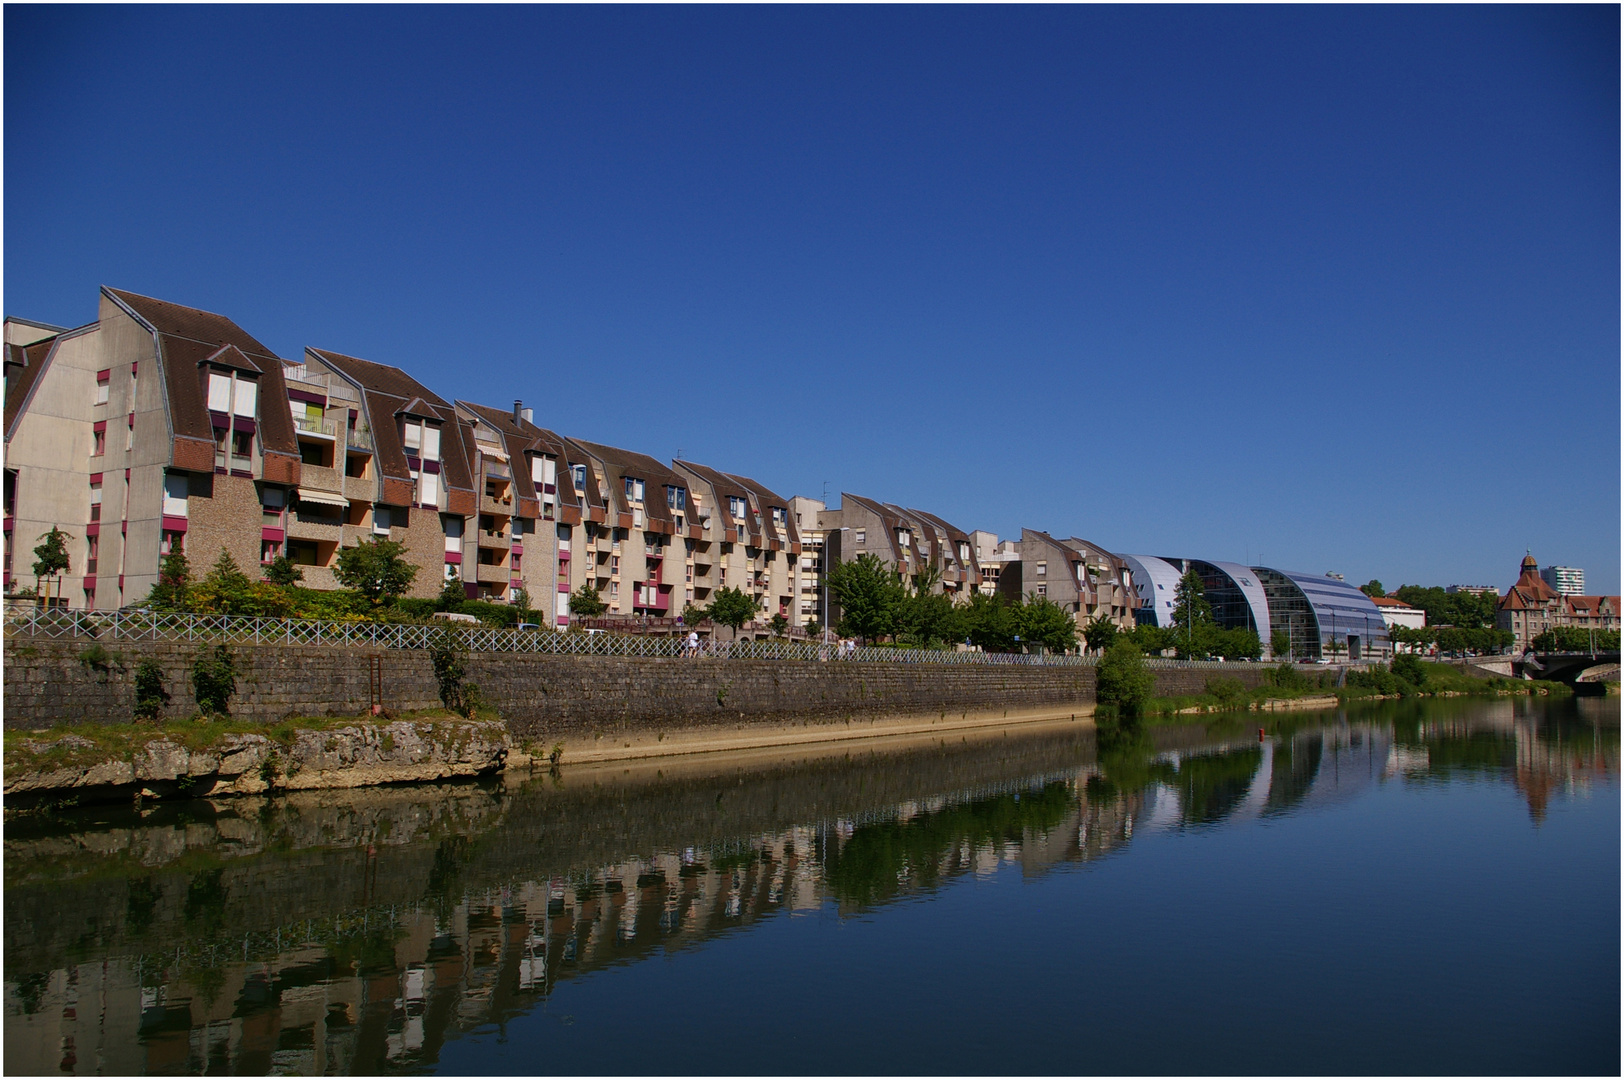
{"x": 33, "y": 621}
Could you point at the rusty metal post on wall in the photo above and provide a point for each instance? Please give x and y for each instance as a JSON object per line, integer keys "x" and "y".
{"x": 375, "y": 670}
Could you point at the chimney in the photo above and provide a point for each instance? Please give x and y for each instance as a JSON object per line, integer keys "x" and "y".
{"x": 529, "y": 416}
{"x": 518, "y": 411}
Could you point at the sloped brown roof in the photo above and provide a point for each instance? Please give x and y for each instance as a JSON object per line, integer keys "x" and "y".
{"x": 24, "y": 363}
{"x": 723, "y": 486}
{"x": 1531, "y": 590}
{"x": 191, "y": 323}
{"x": 519, "y": 437}
{"x": 388, "y": 391}
{"x": 768, "y": 497}
{"x": 187, "y": 339}
{"x": 618, "y": 464}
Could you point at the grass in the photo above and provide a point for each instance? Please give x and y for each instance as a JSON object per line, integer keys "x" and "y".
{"x": 1438, "y": 680}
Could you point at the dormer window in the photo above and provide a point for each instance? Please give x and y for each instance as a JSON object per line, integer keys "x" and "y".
{"x": 232, "y": 392}
{"x": 422, "y": 439}
{"x": 780, "y": 516}
{"x": 578, "y": 474}
{"x": 735, "y": 507}
{"x": 634, "y": 490}
{"x": 676, "y": 497}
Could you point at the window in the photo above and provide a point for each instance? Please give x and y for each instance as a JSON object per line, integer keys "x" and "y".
{"x": 453, "y": 533}
{"x": 172, "y": 543}
{"x": 735, "y": 507}
{"x": 103, "y": 382}
{"x": 676, "y": 498}
{"x": 302, "y": 552}
{"x": 450, "y": 571}
{"x": 1043, "y": 590}
{"x": 268, "y": 550}
{"x": 1041, "y": 570}
{"x": 129, "y": 435}
{"x": 780, "y": 516}
{"x": 98, "y": 443}
{"x": 430, "y": 495}
{"x": 95, "y": 502}
{"x": 614, "y": 590}
{"x": 634, "y": 490}
{"x": 578, "y": 474}
{"x": 175, "y": 494}
{"x": 243, "y": 400}
{"x": 380, "y": 520}
{"x": 412, "y": 436}
{"x": 92, "y": 547}
{"x": 219, "y": 392}
{"x": 614, "y": 565}
{"x": 431, "y": 442}
{"x": 860, "y": 535}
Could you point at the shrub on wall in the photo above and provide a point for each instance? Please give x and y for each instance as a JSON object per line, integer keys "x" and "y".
{"x": 214, "y": 680}
{"x": 150, "y": 695}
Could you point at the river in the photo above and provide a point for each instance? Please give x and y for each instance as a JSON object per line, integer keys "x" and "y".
{"x": 1413, "y": 887}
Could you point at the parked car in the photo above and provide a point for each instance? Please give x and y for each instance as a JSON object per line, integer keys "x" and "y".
{"x": 527, "y": 626}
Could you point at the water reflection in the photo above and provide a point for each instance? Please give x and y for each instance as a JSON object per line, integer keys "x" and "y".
{"x": 358, "y": 932}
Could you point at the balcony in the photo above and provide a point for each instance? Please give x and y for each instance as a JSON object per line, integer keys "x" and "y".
{"x": 308, "y": 425}
{"x": 502, "y": 506}
{"x": 492, "y": 574}
{"x": 500, "y": 540}
{"x": 323, "y": 479}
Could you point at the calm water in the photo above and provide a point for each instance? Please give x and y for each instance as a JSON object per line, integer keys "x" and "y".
{"x": 1419, "y": 887}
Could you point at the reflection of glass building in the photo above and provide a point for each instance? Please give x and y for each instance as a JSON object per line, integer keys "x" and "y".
{"x": 1310, "y": 610}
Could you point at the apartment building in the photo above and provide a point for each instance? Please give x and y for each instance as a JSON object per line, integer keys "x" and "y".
{"x": 1532, "y": 606}
{"x": 633, "y": 510}
{"x": 909, "y": 542}
{"x": 806, "y": 513}
{"x": 1081, "y": 577}
{"x": 749, "y": 541}
{"x": 406, "y": 474}
{"x": 156, "y": 428}
{"x": 518, "y": 468}
{"x": 952, "y": 553}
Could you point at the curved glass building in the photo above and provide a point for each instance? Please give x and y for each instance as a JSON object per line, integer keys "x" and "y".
{"x": 1318, "y": 615}
{"x": 1323, "y": 616}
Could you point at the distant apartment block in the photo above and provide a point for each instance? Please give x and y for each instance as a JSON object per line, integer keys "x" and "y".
{"x": 1567, "y": 580}
{"x": 1082, "y": 577}
{"x": 1475, "y": 590}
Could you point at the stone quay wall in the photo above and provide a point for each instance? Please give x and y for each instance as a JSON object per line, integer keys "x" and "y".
{"x": 50, "y": 682}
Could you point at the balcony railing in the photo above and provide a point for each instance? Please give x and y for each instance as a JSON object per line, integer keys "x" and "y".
{"x": 313, "y": 426}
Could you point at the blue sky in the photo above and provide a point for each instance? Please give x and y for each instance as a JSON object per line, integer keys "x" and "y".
{"x": 1333, "y": 287}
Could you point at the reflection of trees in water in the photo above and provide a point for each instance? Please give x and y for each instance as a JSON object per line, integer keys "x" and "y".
{"x": 316, "y": 937}
{"x": 1211, "y": 785}
{"x": 1295, "y": 764}
{"x": 881, "y": 860}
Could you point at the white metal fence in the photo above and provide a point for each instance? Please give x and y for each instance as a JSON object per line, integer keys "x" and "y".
{"x": 33, "y": 621}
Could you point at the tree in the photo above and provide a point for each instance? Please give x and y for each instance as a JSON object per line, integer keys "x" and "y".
{"x": 814, "y": 629}
{"x": 1123, "y": 682}
{"x": 377, "y": 569}
{"x": 1190, "y": 604}
{"x": 51, "y": 556}
{"x": 990, "y": 623}
{"x": 171, "y": 592}
{"x": 586, "y": 602}
{"x": 1045, "y": 623}
{"x": 733, "y": 608}
{"x": 779, "y": 625}
{"x": 868, "y": 594}
{"x": 452, "y": 593}
{"x": 1280, "y": 645}
{"x": 926, "y": 618}
{"x": 1241, "y": 643}
{"x": 1100, "y": 632}
{"x": 1373, "y": 588}
{"x": 226, "y": 590}
{"x": 521, "y": 603}
{"x": 693, "y": 614}
{"x": 283, "y": 571}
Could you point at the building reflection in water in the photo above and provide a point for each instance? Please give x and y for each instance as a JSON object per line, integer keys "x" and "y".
{"x": 358, "y": 935}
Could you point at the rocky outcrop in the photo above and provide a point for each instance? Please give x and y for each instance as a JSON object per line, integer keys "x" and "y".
{"x": 358, "y": 755}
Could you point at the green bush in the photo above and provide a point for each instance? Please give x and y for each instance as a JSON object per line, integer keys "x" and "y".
{"x": 214, "y": 680}
{"x": 1287, "y": 677}
{"x": 449, "y": 657}
{"x": 150, "y": 695}
{"x": 1409, "y": 667}
{"x": 490, "y": 613}
{"x": 1122, "y": 681}
{"x": 1231, "y": 693}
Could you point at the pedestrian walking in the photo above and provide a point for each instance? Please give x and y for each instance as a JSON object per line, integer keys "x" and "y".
{"x": 693, "y": 643}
